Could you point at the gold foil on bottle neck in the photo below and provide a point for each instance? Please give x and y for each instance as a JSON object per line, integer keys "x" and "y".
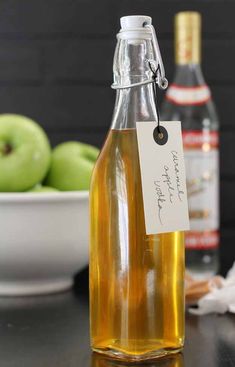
{"x": 187, "y": 38}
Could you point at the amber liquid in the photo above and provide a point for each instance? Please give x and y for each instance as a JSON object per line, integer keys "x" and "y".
{"x": 136, "y": 280}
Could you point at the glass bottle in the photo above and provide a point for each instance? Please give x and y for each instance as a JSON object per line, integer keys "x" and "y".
{"x": 136, "y": 280}
{"x": 189, "y": 100}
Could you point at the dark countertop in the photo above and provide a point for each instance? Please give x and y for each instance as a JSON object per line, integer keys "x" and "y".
{"x": 53, "y": 331}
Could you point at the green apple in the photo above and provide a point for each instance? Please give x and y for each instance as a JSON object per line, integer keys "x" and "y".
{"x": 24, "y": 153}
{"x": 71, "y": 166}
{"x": 40, "y": 188}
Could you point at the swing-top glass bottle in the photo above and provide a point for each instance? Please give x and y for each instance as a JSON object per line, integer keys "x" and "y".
{"x": 136, "y": 280}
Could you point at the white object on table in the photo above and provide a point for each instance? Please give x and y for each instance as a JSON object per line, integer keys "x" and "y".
{"x": 218, "y": 300}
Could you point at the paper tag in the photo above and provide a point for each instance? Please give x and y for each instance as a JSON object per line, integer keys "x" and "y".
{"x": 163, "y": 177}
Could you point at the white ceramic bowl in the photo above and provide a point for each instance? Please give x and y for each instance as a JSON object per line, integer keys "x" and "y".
{"x": 43, "y": 241}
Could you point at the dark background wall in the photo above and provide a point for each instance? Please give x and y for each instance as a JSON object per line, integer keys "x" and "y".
{"x": 56, "y": 67}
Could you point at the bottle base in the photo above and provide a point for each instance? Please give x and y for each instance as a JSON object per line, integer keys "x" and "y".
{"x": 127, "y": 357}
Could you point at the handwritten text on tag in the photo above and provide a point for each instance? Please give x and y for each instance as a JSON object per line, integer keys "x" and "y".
{"x": 163, "y": 178}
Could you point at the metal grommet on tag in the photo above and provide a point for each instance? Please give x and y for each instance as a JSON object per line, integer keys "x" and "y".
{"x": 160, "y": 135}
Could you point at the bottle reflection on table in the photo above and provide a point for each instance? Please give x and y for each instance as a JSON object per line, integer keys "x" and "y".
{"x": 174, "y": 360}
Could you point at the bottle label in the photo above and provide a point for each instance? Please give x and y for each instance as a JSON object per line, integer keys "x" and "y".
{"x": 202, "y": 169}
{"x": 188, "y": 96}
{"x": 202, "y": 240}
{"x": 163, "y": 177}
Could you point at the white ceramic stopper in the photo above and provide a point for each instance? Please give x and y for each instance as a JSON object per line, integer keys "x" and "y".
{"x": 134, "y": 21}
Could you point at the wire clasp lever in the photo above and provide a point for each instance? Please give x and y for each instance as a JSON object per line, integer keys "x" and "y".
{"x": 161, "y": 79}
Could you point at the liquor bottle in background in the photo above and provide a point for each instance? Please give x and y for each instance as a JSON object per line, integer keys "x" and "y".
{"x": 189, "y": 100}
{"x": 136, "y": 280}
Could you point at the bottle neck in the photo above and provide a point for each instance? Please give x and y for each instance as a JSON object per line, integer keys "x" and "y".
{"x": 187, "y": 38}
{"x": 132, "y": 105}
{"x": 131, "y": 66}
{"x": 189, "y": 75}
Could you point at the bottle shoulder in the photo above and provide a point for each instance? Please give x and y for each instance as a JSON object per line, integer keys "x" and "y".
{"x": 189, "y": 100}
{"x": 193, "y": 106}
{"x": 119, "y": 146}
{"x": 192, "y": 117}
